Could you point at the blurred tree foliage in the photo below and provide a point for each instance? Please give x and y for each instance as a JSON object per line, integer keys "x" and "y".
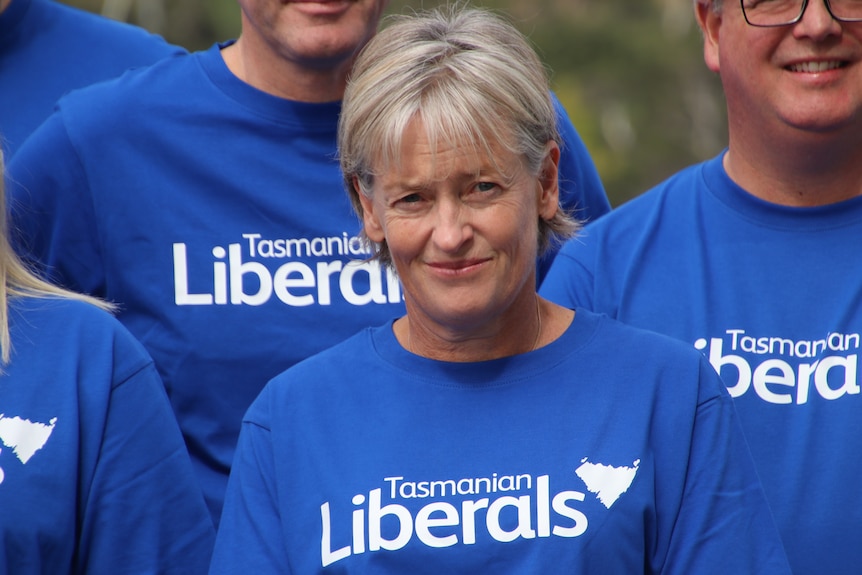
{"x": 630, "y": 72}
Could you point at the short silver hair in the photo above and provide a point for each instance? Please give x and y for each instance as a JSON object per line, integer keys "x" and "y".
{"x": 472, "y": 78}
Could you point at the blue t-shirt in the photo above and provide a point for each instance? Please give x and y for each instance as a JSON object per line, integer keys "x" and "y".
{"x": 215, "y": 215}
{"x": 772, "y": 295}
{"x": 94, "y": 475}
{"x": 48, "y": 49}
{"x": 610, "y": 450}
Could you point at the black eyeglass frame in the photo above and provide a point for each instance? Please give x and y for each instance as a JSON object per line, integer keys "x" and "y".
{"x": 798, "y": 16}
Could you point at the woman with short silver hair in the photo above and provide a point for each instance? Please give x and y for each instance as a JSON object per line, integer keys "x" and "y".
{"x": 488, "y": 430}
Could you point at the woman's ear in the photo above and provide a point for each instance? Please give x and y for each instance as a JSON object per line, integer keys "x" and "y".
{"x": 370, "y": 221}
{"x": 549, "y": 183}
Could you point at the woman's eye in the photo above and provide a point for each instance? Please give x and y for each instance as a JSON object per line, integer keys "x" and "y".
{"x": 409, "y": 199}
{"x": 485, "y": 186}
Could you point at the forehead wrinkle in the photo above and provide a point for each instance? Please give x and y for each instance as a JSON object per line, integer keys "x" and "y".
{"x": 458, "y": 164}
{"x": 489, "y": 157}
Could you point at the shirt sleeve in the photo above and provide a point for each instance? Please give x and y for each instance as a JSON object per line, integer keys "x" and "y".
{"x": 250, "y": 536}
{"x": 724, "y": 524}
{"x": 142, "y": 509}
{"x": 53, "y": 224}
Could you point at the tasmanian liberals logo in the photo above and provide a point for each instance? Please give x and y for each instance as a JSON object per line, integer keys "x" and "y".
{"x": 504, "y": 507}
{"x": 23, "y": 437}
{"x": 607, "y": 482}
{"x": 298, "y": 272}
{"x": 784, "y": 371}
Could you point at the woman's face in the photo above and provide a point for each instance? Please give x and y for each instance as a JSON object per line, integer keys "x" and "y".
{"x": 462, "y": 234}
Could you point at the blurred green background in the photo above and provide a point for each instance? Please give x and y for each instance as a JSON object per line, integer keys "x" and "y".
{"x": 630, "y": 72}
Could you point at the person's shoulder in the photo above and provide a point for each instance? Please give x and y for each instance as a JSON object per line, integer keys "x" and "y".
{"x": 640, "y": 216}
{"x": 642, "y": 345}
{"x": 153, "y": 79}
{"x": 673, "y": 365}
{"x": 74, "y": 343}
{"x": 135, "y": 95}
{"x": 65, "y": 322}
{"x": 322, "y": 372}
{"x": 99, "y": 32}
{"x": 612, "y": 328}
{"x": 60, "y": 310}
{"x": 332, "y": 361}
{"x": 667, "y": 194}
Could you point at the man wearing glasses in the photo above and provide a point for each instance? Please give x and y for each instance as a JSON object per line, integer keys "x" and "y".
{"x": 754, "y": 258}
